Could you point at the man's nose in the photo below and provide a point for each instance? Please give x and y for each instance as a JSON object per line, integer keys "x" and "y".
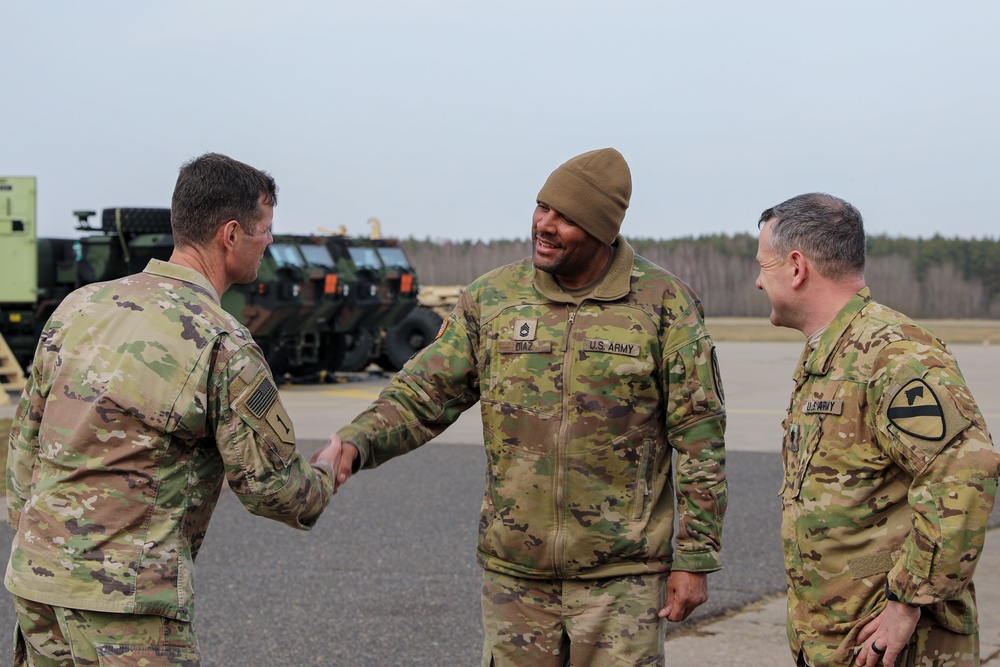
{"x": 546, "y": 221}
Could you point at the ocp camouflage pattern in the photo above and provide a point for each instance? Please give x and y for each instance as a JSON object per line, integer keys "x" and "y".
{"x": 890, "y": 474}
{"x": 611, "y": 621}
{"x": 63, "y": 637}
{"x": 583, "y": 401}
{"x": 144, "y": 395}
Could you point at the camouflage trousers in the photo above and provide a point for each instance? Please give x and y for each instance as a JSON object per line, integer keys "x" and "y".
{"x": 594, "y": 622}
{"x": 931, "y": 646}
{"x": 48, "y": 636}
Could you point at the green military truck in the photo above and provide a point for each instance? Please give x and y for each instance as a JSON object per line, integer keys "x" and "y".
{"x": 18, "y": 258}
{"x": 396, "y": 325}
{"x": 320, "y": 304}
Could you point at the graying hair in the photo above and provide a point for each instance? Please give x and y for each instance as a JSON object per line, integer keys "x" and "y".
{"x": 826, "y": 229}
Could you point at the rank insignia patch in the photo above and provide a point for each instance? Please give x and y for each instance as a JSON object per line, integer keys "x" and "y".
{"x": 916, "y": 410}
{"x": 524, "y": 329}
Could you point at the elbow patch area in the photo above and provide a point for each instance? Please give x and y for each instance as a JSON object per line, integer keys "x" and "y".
{"x": 946, "y": 536}
{"x": 720, "y": 493}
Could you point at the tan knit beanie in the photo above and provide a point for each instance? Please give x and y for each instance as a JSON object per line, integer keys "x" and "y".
{"x": 592, "y": 190}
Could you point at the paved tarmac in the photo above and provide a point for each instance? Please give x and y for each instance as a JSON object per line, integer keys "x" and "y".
{"x": 389, "y": 575}
{"x": 755, "y": 635}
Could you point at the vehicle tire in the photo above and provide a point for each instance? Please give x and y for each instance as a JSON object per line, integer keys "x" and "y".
{"x": 410, "y": 336}
{"x": 357, "y": 351}
{"x": 137, "y": 220}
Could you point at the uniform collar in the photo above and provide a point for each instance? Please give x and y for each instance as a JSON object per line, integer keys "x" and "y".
{"x": 818, "y": 360}
{"x": 158, "y": 267}
{"x": 616, "y": 284}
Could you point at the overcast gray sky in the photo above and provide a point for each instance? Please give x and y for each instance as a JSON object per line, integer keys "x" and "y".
{"x": 443, "y": 118}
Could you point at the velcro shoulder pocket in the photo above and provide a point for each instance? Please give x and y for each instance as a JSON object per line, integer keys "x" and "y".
{"x": 256, "y": 402}
{"x": 921, "y": 413}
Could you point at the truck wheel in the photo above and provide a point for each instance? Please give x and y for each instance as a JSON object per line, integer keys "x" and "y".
{"x": 137, "y": 220}
{"x": 357, "y": 354}
{"x": 410, "y": 336}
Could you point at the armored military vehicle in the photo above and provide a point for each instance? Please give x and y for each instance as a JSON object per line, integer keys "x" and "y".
{"x": 37, "y": 273}
{"x": 19, "y": 267}
{"x": 319, "y": 304}
{"x": 395, "y": 327}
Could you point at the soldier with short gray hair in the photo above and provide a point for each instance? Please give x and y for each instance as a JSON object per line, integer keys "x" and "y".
{"x": 592, "y": 368}
{"x": 890, "y": 471}
{"x": 144, "y": 396}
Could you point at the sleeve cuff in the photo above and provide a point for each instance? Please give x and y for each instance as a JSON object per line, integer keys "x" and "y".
{"x": 697, "y": 561}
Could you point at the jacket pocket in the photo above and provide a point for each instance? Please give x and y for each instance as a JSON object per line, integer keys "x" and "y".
{"x": 642, "y": 480}
{"x": 720, "y": 496}
{"x": 801, "y": 443}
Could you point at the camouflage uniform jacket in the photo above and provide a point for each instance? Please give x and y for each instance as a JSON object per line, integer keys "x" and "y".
{"x": 583, "y": 401}
{"x": 144, "y": 394}
{"x": 890, "y": 475}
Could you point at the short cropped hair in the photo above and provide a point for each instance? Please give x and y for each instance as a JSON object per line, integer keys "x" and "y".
{"x": 214, "y": 189}
{"x": 827, "y": 229}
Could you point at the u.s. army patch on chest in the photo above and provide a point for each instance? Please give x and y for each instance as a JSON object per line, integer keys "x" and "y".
{"x": 611, "y": 347}
{"x": 916, "y": 410}
{"x": 816, "y": 406}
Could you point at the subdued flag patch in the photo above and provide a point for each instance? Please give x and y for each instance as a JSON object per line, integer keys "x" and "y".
{"x": 917, "y": 411}
{"x": 262, "y": 398}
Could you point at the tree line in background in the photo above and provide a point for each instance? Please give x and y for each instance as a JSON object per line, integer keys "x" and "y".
{"x": 935, "y": 278}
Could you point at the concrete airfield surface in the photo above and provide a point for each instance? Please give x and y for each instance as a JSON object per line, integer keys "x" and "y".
{"x": 388, "y": 576}
{"x": 757, "y": 378}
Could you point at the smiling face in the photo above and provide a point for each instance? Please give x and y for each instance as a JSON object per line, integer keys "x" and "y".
{"x": 565, "y": 250}
{"x": 773, "y": 278}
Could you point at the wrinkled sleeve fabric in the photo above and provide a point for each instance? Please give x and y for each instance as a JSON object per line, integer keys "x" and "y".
{"x": 22, "y": 445}
{"x": 696, "y": 424}
{"x": 429, "y": 394}
{"x": 255, "y": 437}
{"x": 930, "y": 426}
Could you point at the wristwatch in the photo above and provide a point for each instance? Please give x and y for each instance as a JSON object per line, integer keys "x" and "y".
{"x": 892, "y": 597}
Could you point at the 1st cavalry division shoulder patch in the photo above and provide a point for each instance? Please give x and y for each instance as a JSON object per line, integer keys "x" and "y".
{"x": 917, "y": 411}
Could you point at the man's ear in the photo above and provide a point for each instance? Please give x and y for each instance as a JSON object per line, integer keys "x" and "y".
{"x": 228, "y": 234}
{"x": 799, "y": 266}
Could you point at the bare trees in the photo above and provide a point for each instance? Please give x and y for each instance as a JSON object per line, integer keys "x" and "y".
{"x": 925, "y": 278}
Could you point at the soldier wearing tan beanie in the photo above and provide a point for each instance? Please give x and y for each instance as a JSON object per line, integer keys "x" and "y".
{"x": 592, "y": 190}
{"x": 575, "y": 227}
{"x": 594, "y": 370}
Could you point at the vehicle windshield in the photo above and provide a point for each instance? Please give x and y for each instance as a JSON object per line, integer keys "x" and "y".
{"x": 394, "y": 257}
{"x": 317, "y": 255}
{"x": 365, "y": 257}
{"x": 285, "y": 254}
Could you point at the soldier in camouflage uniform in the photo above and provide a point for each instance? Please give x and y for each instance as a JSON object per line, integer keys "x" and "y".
{"x": 890, "y": 472}
{"x": 591, "y": 367}
{"x": 144, "y": 396}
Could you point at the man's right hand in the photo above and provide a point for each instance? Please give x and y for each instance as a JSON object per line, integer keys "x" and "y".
{"x": 340, "y": 455}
